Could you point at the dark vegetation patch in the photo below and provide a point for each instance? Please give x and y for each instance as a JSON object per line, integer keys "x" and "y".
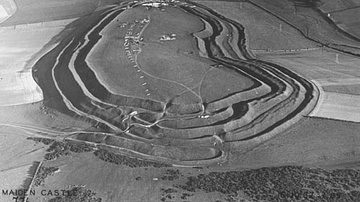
{"x": 78, "y": 194}
{"x": 42, "y": 174}
{"x": 62, "y": 148}
{"x": 127, "y": 161}
{"x": 171, "y": 175}
{"x": 30, "y": 176}
{"x": 171, "y": 194}
{"x": 287, "y": 183}
{"x": 45, "y": 141}
{"x": 169, "y": 190}
{"x": 185, "y": 196}
{"x": 168, "y": 194}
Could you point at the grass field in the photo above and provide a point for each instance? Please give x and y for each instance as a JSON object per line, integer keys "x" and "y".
{"x": 348, "y": 20}
{"x": 334, "y": 73}
{"x": 7, "y": 9}
{"x": 310, "y": 22}
{"x": 339, "y": 106}
{"x": 338, "y": 5}
{"x": 36, "y": 11}
{"x": 263, "y": 31}
{"x": 318, "y": 64}
{"x": 346, "y": 89}
{"x": 3, "y": 13}
{"x": 24, "y": 45}
{"x": 111, "y": 182}
{"x": 312, "y": 141}
{"x": 346, "y": 86}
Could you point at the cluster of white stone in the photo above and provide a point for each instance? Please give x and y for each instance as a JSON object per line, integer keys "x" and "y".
{"x": 131, "y": 45}
{"x": 168, "y": 37}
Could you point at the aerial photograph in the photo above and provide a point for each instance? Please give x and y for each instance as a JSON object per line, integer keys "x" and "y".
{"x": 179, "y": 100}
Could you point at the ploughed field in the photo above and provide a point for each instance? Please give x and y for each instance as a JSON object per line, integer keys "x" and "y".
{"x": 170, "y": 82}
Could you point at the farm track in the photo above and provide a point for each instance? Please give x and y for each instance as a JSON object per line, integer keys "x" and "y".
{"x": 194, "y": 134}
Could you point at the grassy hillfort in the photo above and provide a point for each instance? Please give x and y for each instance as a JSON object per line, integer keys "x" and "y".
{"x": 155, "y": 97}
{"x": 181, "y": 97}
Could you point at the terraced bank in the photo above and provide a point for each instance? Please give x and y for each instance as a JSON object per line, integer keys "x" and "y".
{"x": 170, "y": 82}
